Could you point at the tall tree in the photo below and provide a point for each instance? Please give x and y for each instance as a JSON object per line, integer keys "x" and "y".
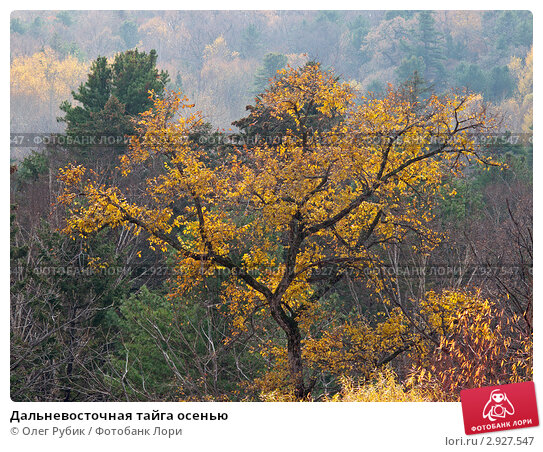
{"x": 261, "y": 125}
{"x": 92, "y": 95}
{"x": 118, "y": 91}
{"x": 430, "y": 46}
{"x": 251, "y": 41}
{"x": 129, "y": 33}
{"x": 134, "y": 75}
{"x": 321, "y": 203}
{"x": 271, "y": 64}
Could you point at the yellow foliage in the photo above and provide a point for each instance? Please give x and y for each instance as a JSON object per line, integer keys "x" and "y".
{"x": 274, "y": 216}
{"x": 38, "y": 85}
{"x": 45, "y": 76}
{"x": 521, "y": 106}
{"x": 474, "y": 347}
{"x": 355, "y": 348}
{"x": 382, "y": 387}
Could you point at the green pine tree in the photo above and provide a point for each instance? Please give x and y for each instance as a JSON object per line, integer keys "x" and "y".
{"x": 129, "y": 33}
{"x": 113, "y": 95}
{"x": 134, "y": 75}
{"x": 251, "y": 41}
{"x": 271, "y": 63}
{"x": 430, "y": 47}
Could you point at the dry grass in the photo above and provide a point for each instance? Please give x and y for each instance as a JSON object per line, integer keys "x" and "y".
{"x": 382, "y": 387}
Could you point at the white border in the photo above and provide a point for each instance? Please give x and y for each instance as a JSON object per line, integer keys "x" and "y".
{"x": 259, "y": 426}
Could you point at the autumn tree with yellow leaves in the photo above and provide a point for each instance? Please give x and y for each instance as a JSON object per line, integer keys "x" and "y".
{"x": 38, "y": 83}
{"x": 286, "y": 222}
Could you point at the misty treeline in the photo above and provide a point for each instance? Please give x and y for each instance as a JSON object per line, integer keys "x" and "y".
{"x": 222, "y": 59}
{"x": 320, "y": 266}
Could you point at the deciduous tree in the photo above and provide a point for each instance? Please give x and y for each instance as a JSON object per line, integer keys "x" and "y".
{"x": 277, "y": 218}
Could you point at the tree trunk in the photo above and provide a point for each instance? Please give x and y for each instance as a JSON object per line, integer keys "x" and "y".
{"x": 294, "y": 341}
{"x": 295, "y": 362}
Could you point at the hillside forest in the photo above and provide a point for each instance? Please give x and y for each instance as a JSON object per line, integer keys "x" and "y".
{"x": 270, "y": 206}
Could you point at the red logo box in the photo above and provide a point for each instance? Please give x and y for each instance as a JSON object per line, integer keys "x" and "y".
{"x": 495, "y": 408}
